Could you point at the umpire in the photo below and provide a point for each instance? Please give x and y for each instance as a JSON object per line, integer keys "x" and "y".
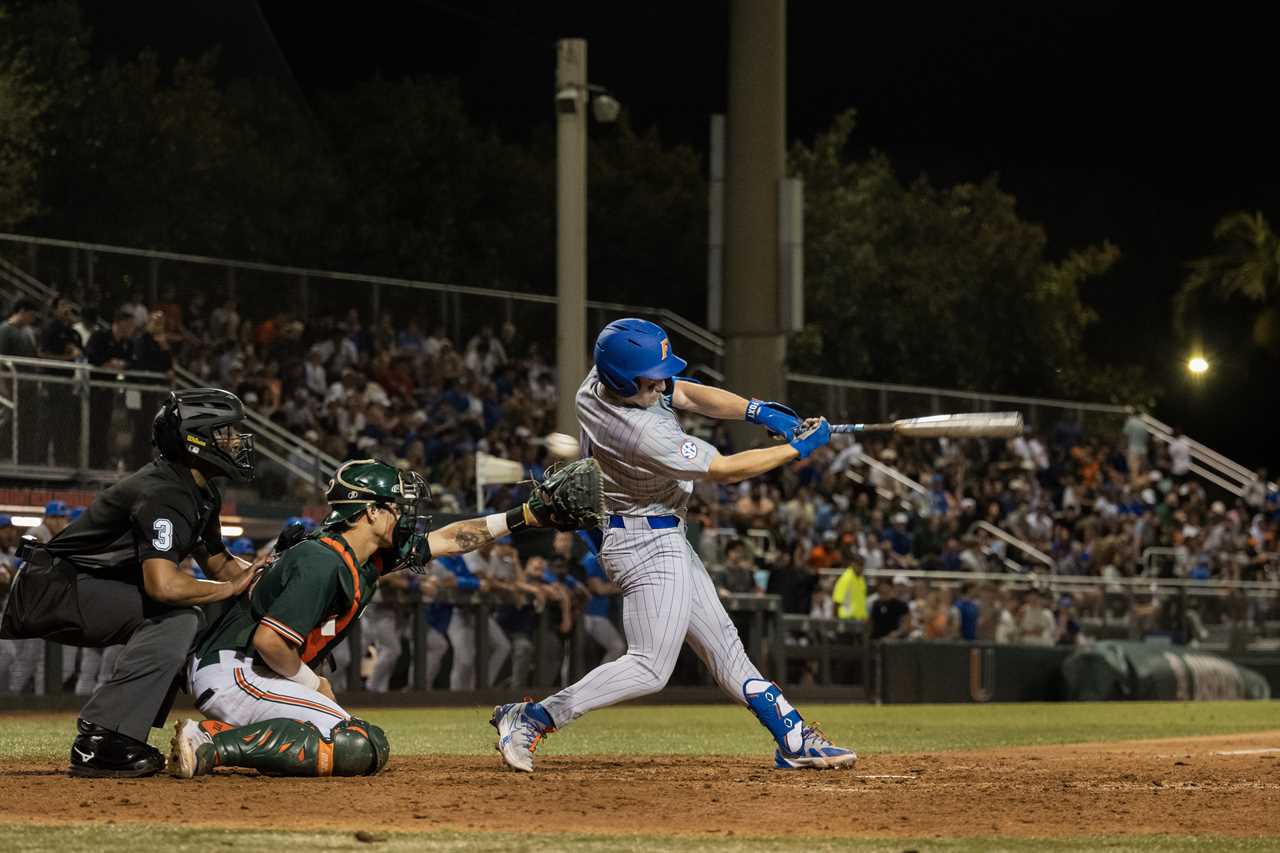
{"x": 113, "y": 576}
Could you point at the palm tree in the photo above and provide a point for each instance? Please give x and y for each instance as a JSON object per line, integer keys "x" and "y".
{"x": 1247, "y": 267}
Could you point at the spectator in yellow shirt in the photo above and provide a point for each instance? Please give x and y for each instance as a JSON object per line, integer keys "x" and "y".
{"x": 850, "y": 594}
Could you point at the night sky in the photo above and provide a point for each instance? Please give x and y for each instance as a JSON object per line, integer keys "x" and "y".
{"x": 1136, "y": 126}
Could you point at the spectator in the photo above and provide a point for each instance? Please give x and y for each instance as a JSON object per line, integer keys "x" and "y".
{"x": 738, "y": 575}
{"x": 151, "y": 347}
{"x": 898, "y": 537}
{"x": 86, "y": 325}
{"x": 1180, "y": 455}
{"x": 966, "y": 613}
{"x": 795, "y": 583}
{"x": 113, "y": 348}
{"x": 135, "y": 307}
{"x": 755, "y": 508}
{"x": 1067, "y": 629}
{"x": 16, "y": 336}
{"x": 58, "y": 340}
{"x": 889, "y": 611}
{"x": 595, "y": 616}
{"x": 850, "y": 593}
{"x": 224, "y": 322}
{"x": 54, "y": 521}
{"x": 1135, "y": 433}
{"x": 1036, "y": 625}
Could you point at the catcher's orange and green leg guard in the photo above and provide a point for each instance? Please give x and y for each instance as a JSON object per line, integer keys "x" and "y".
{"x": 283, "y": 747}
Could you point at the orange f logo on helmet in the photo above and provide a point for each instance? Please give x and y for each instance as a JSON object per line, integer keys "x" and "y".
{"x": 666, "y": 348}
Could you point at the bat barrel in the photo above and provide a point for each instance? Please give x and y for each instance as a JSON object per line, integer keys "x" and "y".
{"x": 965, "y": 425}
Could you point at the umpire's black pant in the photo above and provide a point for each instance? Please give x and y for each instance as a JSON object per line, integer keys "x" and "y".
{"x": 78, "y": 608}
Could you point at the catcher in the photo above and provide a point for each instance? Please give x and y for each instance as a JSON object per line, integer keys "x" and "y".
{"x": 252, "y": 673}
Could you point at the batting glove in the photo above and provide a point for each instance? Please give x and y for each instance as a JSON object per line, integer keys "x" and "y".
{"x": 781, "y": 421}
{"x": 811, "y": 438}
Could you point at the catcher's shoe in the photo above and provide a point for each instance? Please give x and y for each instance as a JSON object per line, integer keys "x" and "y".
{"x": 518, "y": 734}
{"x": 99, "y": 752}
{"x": 815, "y": 752}
{"x": 191, "y": 750}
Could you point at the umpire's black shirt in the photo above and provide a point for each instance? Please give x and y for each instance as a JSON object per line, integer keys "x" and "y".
{"x": 159, "y": 512}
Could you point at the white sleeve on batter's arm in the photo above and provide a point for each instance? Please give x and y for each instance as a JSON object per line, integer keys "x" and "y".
{"x": 665, "y": 450}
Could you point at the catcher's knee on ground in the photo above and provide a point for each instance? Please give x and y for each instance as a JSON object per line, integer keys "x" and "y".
{"x": 283, "y": 747}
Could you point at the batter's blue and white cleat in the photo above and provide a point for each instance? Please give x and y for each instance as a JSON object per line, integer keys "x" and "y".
{"x": 815, "y": 752}
{"x": 518, "y": 734}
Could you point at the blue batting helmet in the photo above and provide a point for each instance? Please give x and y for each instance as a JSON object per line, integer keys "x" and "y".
{"x": 632, "y": 349}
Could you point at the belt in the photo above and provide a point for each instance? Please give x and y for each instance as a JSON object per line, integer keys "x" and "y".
{"x": 656, "y": 522}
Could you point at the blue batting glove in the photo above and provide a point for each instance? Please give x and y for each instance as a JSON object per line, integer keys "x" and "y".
{"x": 781, "y": 421}
{"x": 812, "y": 438}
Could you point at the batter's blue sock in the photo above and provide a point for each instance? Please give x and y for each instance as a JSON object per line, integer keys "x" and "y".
{"x": 540, "y": 715}
{"x": 775, "y": 713}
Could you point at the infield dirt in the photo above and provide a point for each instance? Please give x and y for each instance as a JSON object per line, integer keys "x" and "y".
{"x": 1224, "y": 785}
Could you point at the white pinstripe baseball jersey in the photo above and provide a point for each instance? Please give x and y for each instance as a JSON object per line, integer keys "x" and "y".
{"x": 649, "y": 462}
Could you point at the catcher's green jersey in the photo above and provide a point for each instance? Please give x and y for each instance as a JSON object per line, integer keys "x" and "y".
{"x": 310, "y": 596}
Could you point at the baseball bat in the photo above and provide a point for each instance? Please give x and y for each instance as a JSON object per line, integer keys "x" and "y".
{"x": 966, "y": 425}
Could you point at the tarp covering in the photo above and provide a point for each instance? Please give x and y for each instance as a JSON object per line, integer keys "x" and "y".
{"x": 1114, "y": 669}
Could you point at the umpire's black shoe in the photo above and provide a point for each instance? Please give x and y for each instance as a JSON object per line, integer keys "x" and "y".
{"x": 102, "y": 752}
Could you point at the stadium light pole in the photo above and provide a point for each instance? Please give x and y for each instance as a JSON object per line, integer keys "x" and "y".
{"x": 571, "y": 226}
{"x": 573, "y": 93}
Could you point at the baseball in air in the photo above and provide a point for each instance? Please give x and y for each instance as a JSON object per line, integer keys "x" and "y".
{"x": 563, "y": 446}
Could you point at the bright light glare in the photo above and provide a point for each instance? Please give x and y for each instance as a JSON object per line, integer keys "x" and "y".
{"x": 26, "y": 520}
{"x": 1197, "y": 364}
{"x": 232, "y": 530}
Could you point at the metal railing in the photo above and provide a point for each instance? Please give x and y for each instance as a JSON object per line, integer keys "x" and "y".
{"x": 1267, "y": 590}
{"x": 69, "y": 421}
{"x": 1009, "y": 539}
{"x": 65, "y": 420}
{"x": 1208, "y": 463}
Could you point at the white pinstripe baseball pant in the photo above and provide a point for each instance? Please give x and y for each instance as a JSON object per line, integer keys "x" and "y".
{"x": 668, "y": 599}
{"x": 238, "y": 693}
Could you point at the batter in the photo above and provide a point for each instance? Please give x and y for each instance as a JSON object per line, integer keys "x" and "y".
{"x": 626, "y": 411}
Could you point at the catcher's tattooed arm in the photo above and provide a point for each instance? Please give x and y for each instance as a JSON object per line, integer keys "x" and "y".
{"x": 462, "y": 537}
{"x": 567, "y": 499}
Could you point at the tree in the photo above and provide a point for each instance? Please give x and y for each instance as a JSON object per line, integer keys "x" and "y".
{"x": 646, "y": 220}
{"x": 1246, "y": 267}
{"x": 21, "y": 104}
{"x": 934, "y": 286}
{"x": 42, "y": 56}
{"x": 431, "y": 195}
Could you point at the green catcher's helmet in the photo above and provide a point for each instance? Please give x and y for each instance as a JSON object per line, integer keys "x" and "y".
{"x": 361, "y": 483}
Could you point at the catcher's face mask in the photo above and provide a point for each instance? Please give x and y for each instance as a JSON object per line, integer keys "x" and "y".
{"x": 414, "y": 522}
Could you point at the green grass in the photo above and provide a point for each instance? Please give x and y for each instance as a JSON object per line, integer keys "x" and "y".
{"x": 100, "y": 839}
{"x": 728, "y": 730}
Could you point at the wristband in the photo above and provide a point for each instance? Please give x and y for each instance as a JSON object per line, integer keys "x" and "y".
{"x": 518, "y": 518}
{"x": 497, "y": 524}
{"x": 306, "y": 677}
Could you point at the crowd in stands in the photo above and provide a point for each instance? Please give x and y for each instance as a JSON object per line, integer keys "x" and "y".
{"x": 400, "y": 388}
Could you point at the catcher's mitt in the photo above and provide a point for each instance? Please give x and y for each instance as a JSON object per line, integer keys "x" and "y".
{"x": 570, "y": 496}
